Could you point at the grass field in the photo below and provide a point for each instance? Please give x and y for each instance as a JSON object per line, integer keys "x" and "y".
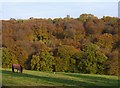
{"x": 38, "y": 78}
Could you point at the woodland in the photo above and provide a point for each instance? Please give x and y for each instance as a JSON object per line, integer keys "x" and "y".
{"x": 86, "y": 44}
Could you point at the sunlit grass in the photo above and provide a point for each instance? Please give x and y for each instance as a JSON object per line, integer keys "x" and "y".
{"x": 38, "y": 78}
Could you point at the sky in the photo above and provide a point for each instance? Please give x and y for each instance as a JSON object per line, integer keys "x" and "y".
{"x": 59, "y": 0}
{"x": 51, "y": 9}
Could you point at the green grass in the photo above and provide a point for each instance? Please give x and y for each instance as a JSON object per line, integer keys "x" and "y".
{"x": 38, "y": 78}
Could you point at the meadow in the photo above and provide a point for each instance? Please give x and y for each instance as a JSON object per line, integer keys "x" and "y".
{"x": 61, "y": 79}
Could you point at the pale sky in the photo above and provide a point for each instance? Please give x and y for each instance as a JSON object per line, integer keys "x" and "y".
{"x": 59, "y": 0}
{"x": 51, "y": 9}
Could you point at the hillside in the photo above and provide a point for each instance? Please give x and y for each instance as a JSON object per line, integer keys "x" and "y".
{"x": 38, "y": 78}
{"x": 86, "y": 44}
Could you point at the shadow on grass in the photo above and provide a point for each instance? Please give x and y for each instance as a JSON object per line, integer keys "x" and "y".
{"x": 97, "y": 80}
{"x": 65, "y": 82}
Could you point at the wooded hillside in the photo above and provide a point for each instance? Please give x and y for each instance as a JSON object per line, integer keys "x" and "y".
{"x": 85, "y": 44}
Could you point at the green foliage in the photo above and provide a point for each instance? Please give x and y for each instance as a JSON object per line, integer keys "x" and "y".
{"x": 8, "y": 58}
{"x": 42, "y": 62}
{"x": 90, "y": 60}
{"x": 65, "y": 53}
{"x": 5, "y": 58}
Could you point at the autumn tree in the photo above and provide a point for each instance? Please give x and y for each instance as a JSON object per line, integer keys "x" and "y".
{"x": 70, "y": 44}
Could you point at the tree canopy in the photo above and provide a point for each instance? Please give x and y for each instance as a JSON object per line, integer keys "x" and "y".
{"x": 86, "y": 44}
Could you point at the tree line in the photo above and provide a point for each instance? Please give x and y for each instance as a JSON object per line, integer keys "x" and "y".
{"x": 86, "y": 44}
